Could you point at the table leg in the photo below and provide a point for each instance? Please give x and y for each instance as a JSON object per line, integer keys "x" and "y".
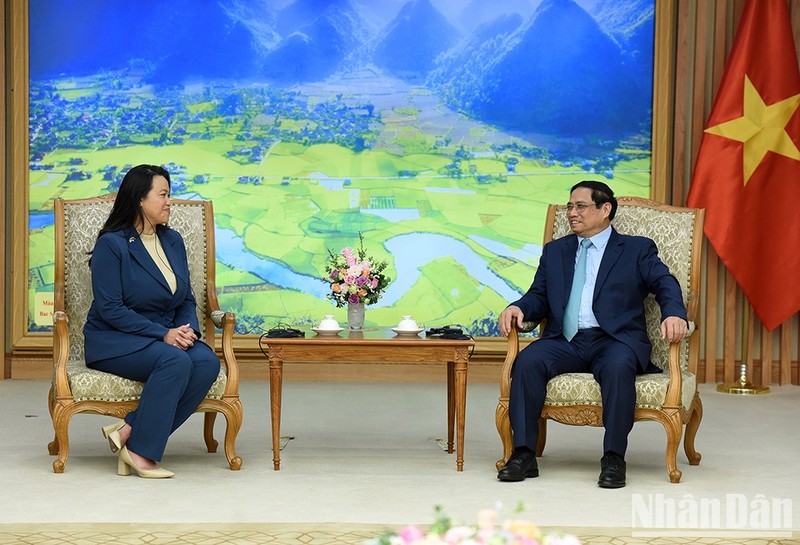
{"x": 451, "y": 404}
{"x": 461, "y": 406}
{"x": 275, "y": 393}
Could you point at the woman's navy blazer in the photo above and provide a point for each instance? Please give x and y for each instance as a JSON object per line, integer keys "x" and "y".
{"x": 133, "y": 305}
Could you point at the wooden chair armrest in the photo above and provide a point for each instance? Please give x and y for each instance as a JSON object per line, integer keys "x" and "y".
{"x": 227, "y": 321}
{"x": 60, "y": 355}
{"x": 672, "y": 398}
{"x": 692, "y": 303}
{"x": 511, "y": 355}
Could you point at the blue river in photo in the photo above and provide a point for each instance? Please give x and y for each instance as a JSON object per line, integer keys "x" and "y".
{"x": 232, "y": 252}
{"x": 40, "y": 220}
{"x": 410, "y": 251}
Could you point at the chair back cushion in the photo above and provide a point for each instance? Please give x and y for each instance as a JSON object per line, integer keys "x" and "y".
{"x": 83, "y": 219}
{"x": 676, "y": 233}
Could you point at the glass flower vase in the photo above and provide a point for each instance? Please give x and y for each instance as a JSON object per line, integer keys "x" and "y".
{"x": 355, "y": 315}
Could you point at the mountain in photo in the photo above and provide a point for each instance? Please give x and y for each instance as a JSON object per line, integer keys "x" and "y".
{"x": 300, "y": 13}
{"x": 315, "y": 49}
{"x": 559, "y": 73}
{"x": 558, "y": 70}
{"x": 460, "y": 71}
{"x": 410, "y": 43}
{"x": 479, "y": 12}
{"x": 214, "y": 45}
{"x": 102, "y": 35}
{"x": 625, "y": 20}
{"x": 632, "y": 24}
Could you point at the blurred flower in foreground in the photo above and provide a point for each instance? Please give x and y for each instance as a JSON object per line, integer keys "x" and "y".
{"x": 486, "y": 532}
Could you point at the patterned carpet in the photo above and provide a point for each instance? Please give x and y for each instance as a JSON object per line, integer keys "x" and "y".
{"x": 297, "y": 534}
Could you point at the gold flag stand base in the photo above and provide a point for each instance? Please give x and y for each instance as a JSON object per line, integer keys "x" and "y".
{"x": 743, "y": 386}
{"x": 744, "y": 389}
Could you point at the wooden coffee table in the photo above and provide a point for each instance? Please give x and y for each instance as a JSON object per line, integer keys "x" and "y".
{"x": 379, "y": 345}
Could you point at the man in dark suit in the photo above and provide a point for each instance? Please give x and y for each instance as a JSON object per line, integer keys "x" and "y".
{"x": 590, "y": 286}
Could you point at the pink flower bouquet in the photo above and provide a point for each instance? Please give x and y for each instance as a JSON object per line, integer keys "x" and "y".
{"x": 354, "y": 277}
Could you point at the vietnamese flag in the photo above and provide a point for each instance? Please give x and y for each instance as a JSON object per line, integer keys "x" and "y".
{"x": 747, "y": 174}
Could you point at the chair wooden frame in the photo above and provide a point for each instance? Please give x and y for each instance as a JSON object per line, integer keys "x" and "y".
{"x": 682, "y": 356}
{"x": 61, "y": 402}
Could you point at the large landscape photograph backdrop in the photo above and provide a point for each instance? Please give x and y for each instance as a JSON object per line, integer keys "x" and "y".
{"x": 439, "y": 130}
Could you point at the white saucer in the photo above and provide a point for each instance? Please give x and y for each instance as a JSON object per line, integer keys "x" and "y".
{"x": 410, "y": 332}
{"x": 327, "y": 332}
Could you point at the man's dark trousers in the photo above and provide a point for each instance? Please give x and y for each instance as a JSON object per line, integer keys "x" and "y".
{"x": 613, "y": 365}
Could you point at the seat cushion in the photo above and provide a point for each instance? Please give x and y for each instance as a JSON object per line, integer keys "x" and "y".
{"x": 582, "y": 389}
{"x": 92, "y": 385}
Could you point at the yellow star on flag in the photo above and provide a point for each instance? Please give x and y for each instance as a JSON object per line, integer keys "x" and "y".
{"x": 761, "y": 128}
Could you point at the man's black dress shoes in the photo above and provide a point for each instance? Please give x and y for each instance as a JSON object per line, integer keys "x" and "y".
{"x": 520, "y": 465}
{"x": 612, "y": 471}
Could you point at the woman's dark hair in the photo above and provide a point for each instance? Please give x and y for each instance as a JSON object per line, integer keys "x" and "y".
{"x": 601, "y": 193}
{"x": 135, "y": 186}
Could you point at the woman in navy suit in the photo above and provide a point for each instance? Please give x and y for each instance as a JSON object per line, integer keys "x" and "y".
{"x": 142, "y": 324}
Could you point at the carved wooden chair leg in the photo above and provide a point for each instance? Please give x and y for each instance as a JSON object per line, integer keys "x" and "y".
{"x": 691, "y": 432}
{"x": 504, "y": 429}
{"x": 52, "y": 446}
{"x": 542, "y": 437}
{"x": 208, "y": 431}
{"x": 674, "y": 428}
{"x": 61, "y": 427}
{"x": 231, "y": 431}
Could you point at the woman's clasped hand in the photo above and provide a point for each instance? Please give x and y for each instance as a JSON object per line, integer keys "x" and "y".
{"x": 183, "y": 337}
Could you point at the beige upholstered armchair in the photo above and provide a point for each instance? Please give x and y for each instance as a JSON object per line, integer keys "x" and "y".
{"x": 76, "y": 388}
{"x": 670, "y": 397}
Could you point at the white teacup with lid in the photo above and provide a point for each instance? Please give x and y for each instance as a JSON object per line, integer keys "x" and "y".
{"x": 407, "y": 324}
{"x": 328, "y": 323}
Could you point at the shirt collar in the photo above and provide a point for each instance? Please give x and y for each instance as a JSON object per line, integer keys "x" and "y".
{"x": 599, "y": 240}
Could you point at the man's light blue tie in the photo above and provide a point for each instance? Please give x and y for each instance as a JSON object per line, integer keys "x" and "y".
{"x": 574, "y": 302}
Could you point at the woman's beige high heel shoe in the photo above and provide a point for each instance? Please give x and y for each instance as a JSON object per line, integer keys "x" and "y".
{"x": 111, "y": 432}
{"x": 125, "y": 464}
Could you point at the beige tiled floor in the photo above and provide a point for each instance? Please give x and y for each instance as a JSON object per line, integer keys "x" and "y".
{"x": 365, "y": 457}
{"x": 296, "y": 534}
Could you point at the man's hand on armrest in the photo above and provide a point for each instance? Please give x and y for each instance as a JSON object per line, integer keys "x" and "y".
{"x": 674, "y": 329}
{"x": 509, "y": 318}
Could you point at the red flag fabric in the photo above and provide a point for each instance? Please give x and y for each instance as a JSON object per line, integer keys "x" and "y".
{"x": 747, "y": 174}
